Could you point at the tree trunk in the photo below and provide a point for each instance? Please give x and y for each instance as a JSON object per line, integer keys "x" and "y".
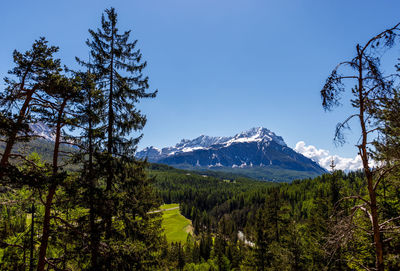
{"x": 364, "y": 156}
{"x": 32, "y": 234}
{"x": 46, "y": 229}
{"x": 94, "y": 239}
{"x": 110, "y": 110}
{"x": 21, "y": 116}
{"x": 375, "y": 225}
{"x": 110, "y": 134}
{"x": 276, "y": 216}
{"x": 51, "y": 193}
{"x": 12, "y": 138}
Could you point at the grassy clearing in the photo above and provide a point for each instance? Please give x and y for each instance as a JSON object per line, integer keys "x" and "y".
{"x": 176, "y": 226}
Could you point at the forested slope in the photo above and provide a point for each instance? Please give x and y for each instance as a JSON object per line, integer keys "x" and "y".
{"x": 296, "y": 226}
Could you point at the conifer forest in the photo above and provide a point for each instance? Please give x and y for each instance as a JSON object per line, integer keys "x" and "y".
{"x": 82, "y": 200}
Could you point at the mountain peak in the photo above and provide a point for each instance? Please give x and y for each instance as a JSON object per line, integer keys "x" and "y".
{"x": 257, "y": 134}
{"x": 204, "y": 142}
{"x": 257, "y": 151}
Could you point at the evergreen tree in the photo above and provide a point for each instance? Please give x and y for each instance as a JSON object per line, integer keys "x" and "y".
{"x": 121, "y": 183}
{"x": 388, "y": 155}
{"x": 388, "y": 146}
{"x": 205, "y": 246}
{"x": 56, "y": 111}
{"x": 263, "y": 241}
{"x": 24, "y": 88}
{"x": 118, "y": 68}
{"x": 89, "y": 113}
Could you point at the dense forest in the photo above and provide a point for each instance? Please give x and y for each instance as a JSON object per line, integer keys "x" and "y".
{"x": 299, "y": 226}
{"x": 84, "y": 202}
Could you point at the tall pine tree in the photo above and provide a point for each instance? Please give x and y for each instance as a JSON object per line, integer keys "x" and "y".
{"x": 121, "y": 182}
{"x": 56, "y": 111}
{"x": 25, "y": 87}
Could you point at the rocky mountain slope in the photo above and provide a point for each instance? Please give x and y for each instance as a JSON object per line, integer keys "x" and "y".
{"x": 257, "y": 153}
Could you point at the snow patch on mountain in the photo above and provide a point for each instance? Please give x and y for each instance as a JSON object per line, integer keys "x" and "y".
{"x": 42, "y": 130}
{"x": 257, "y": 153}
{"x": 203, "y": 142}
{"x": 257, "y": 134}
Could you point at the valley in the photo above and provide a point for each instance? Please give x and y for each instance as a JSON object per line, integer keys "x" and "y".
{"x": 197, "y": 168}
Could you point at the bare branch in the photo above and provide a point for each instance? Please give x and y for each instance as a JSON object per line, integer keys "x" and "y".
{"x": 383, "y": 174}
{"x": 339, "y": 137}
{"x": 396, "y": 27}
{"x": 4, "y": 244}
{"x": 355, "y": 197}
{"x": 388, "y": 221}
{"x": 368, "y": 214}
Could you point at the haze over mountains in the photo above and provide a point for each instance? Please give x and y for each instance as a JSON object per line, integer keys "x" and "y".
{"x": 257, "y": 153}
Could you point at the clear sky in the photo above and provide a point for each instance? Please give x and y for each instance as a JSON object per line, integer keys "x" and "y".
{"x": 223, "y": 66}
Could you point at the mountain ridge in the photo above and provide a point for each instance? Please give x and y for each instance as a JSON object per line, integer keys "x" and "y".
{"x": 257, "y": 149}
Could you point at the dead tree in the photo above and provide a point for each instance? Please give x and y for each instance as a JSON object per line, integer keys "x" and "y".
{"x": 370, "y": 86}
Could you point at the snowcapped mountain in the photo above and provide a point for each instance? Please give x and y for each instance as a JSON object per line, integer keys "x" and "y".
{"x": 257, "y": 153}
{"x": 42, "y": 130}
{"x": 204, "y": 142}
{"x": 186, "y": 145}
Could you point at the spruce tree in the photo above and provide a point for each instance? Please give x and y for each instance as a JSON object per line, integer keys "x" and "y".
{"x": 118, "y": 67}
{"x": 120, "y": 182}
{"x": 89, "y": 114}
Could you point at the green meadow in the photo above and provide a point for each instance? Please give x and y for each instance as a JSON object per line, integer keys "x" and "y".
{"x": 175, "y": 225}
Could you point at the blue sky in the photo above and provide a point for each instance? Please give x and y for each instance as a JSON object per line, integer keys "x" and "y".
{"x": 220, "y": 66}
